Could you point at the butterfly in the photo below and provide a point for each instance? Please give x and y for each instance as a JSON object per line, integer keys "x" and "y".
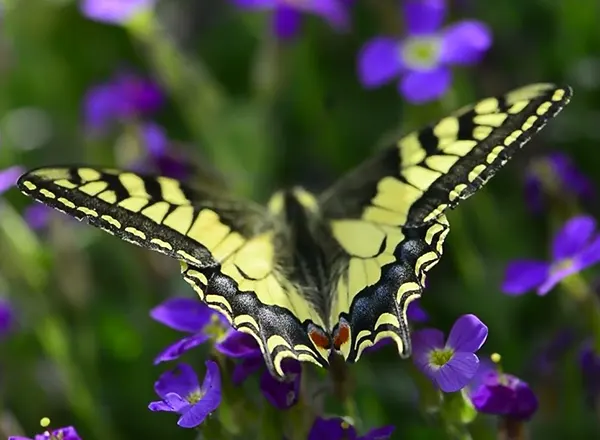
{"x": 311, "y": 274}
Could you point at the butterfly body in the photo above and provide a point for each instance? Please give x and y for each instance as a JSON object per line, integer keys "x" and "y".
{"x": 314, "y": 273}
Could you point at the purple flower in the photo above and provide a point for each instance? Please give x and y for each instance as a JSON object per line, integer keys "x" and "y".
{"x": 416, "y": 313}
{"x": 181, "y": 392}
{"x": 282, "y": 394}
{"x": 161, "y": 158}
{"x": 37, "y": 216}
{"x": 545, "y": 361}
{"x": 339, "y": 429}
{"x": 9, "y": 176}
{"x": 114, "y": 11}
{"x": 125, "y": 97}
{"x": 575, "y": 247}
{"x": 203, "y": 323}
{"x": 287, "y": 14}
{"x": 451, "y": 365}
{"x": 6, "y": 317}
{"x": 502, "y": 394}
{"x": 555, "y": 174}
{"x": 589, "y": 361}
{"x": 66, "y": 433}
{"x": 423, "y": 57}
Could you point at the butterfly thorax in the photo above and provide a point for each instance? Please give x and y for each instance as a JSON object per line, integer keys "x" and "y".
{"x": 309, "y": 243}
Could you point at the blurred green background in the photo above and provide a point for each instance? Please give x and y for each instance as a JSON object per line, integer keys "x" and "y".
{"x": 267, "y": 114}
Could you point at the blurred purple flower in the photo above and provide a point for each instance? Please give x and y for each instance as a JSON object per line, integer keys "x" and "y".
{"x": 154, "y": 138}
{"x": 287, "y": 14}
{"x": 114, "y": 11}
{"x": 575, "y": 247}
{"x": 422, "y": 59}
{"x": 282, "y": 394}
{"x": 181, "y": 392}
{"x": 66, "y": 433}
{"x": 416, "y": 313}
{"x": 555, "y": 173}
{"x": 552, "y": 351}
{"x": 9, "y": 176}
{"x": 37, "y": 216}
{"x": 339, "y": 429}
{"x": 6, "y": 317}
{"x": 493, "y": 392}
{"x": 193, "y": 316}
{"x": 589, "y": 362}
{"x": 450, "y": 364}
{"x": 161, "y": 158}
{"x": 125, "y": 97}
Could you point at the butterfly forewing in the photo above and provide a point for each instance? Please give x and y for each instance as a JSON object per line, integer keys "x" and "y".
{"x": 431, "y": 170}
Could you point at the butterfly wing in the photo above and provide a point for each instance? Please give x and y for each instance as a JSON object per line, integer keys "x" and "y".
{"x": 388, "y": 214}
{"x": 431, "y": 170}
{"x": 231, "y": 251}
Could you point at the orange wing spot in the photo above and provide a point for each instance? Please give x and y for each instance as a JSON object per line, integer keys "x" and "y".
{"x": 341, "y": 335}
{"x": 319, "y": 337}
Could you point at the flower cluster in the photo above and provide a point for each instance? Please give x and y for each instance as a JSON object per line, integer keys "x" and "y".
{"x": 493, "y": 392}
{"x": 128, "y": 101}
{"x": 66, "y": 433}
{"x": 555, "y": 176}
{"x": 204, "y": 324}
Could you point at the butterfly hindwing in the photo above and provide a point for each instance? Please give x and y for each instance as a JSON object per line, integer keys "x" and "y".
{"x": 381, "y": 270}
{"x": 431, "y": 170}
{"x": 270, "y": 308}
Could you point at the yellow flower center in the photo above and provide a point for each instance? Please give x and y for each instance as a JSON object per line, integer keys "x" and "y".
{"x": 440, "y": 357}
{"x": 561, "y": 265}
{"x": 194, "y": 397}
{"x": 215, "y": 329}
{"x": 421, "y": 53}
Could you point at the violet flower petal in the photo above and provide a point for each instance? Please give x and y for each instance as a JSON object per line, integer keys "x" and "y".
{"x": 183, "y": 314}
{"x": 9, "y": 177}
{"x": 238, "y": 344}
{"x": 465, "y": 42}
{"x": 176, "y": 349}
{"x": 467, "y": 334}
{"x": 114, "y": 11}
{"x": 424, "y": 17}
{"x": 286, "y": 22}
{"x": 422, "y": 86}
{"x": 383, "y": 433}
{"x": 522, "y": 276}
{"x": 379, "y": 61}
{"x": 331, "y": 429}
{"x": 256, "y": 4}
{"x": 573, "y": 237}
{"x": 182, "y": 380}
{"x": 457, "y": 372}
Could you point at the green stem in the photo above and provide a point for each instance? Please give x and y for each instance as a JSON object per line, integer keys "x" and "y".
{"x": 587, "y": 302}
{"x": 236, "y": 136}
{"x": 51, "y": 331}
